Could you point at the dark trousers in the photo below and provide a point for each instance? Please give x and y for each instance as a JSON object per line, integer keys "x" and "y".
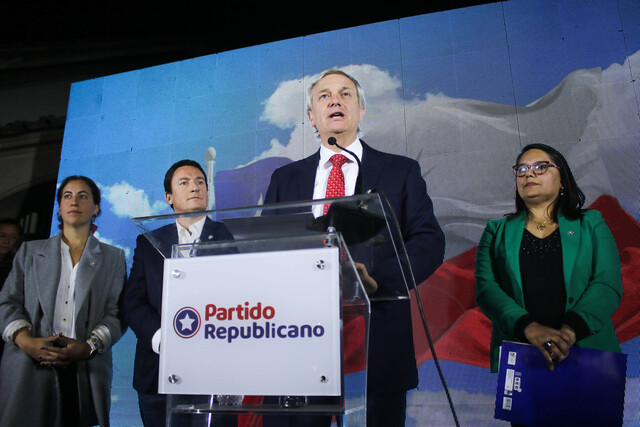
{"x": 68, "y": 380}
{"x": 71, "y": 415}
{"x": 386, "y": 410}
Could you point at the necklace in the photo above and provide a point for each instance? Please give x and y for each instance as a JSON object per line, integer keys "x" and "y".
{"x": 541, "y": 225}
{"x": 73, "y": 248}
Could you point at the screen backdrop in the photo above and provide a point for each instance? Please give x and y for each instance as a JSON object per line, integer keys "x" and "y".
{"x": 459, "y": 91}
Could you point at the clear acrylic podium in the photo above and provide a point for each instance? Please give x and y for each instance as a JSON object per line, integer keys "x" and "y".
{"x": 275, "y": 322}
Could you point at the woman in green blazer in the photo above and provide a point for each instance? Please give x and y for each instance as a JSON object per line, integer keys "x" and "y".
{"x": 548, "y": 274}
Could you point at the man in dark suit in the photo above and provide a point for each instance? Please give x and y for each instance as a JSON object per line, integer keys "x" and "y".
{"x": 185, "y": 186}
{"x": 335, "y": 108}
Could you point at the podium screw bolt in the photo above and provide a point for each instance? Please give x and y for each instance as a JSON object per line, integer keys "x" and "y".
{"x": 320, "y": 264}
{"x": 176, "y": 274}
{"x": 323, "y": 379}
{"x": 173, "y": 378}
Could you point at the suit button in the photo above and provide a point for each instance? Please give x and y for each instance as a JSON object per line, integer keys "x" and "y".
{"x": 570, "y": 300}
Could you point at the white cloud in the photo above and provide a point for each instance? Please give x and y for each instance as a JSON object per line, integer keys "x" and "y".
{"x": 125, "y": 249}
{"x": 285, "y": 107}
{"x": 131, "y": 202}
{"x": 375, "y": 82}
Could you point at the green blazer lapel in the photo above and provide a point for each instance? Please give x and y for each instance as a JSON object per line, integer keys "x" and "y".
{"x": 46, "y": 272}
{"x": 91, "y": 259}
{"x": 513, "y": 230}
{"x": 570, "y": 237}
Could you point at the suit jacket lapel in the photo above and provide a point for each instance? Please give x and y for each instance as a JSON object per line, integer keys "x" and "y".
{"x": 207, "y": 233}
{"x": 90, "y": 262}
{"x": 164, "y": 238}
{"x": 307, "y": 177}
{"x": 570, "y": 239}
{"x": 47, "y": 273}
{"x": 513, "y": 230}
{"x": 167, "y": 236}
{"x": 372, "y": 167}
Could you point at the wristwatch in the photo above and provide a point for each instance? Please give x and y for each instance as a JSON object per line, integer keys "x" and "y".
{"x": 96, "y": 346}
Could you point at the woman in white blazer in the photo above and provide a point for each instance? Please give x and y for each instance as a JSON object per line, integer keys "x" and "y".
{"x": 59, "y": 314}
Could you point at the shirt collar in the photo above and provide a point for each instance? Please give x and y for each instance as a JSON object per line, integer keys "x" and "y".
{"x": 326, "y": 153}
{"x": 188, "y": 235}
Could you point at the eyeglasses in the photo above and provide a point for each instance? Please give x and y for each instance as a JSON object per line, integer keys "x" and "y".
{"x": 538, "y": 168}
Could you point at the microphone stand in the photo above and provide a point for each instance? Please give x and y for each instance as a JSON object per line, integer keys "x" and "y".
{"x": 358, "y": 189}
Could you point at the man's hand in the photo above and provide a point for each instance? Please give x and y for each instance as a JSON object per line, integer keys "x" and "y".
{"x": 370, "y": 285}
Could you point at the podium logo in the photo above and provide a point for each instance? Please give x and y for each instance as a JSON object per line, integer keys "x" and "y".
{"x": 186, "y": 322}
{"x": 240, "y": 322}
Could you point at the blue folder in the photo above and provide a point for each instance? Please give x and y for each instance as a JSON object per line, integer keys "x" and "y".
{"x": 585, "y": 389}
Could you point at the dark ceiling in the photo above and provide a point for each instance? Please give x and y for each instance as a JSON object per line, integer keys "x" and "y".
{"x": 49, "y": 39}
{"x": 221, "y": 26}
{"x": 51, "y": 43}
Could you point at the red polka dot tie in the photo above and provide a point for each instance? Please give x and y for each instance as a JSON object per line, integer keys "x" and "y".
{"x": 335, "y": 185}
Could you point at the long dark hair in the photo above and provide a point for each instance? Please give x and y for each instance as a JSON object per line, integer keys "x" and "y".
{"x": 571, "y": 198}
{"x": 95, "y": 191}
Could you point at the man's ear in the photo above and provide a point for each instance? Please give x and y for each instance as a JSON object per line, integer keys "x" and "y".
{"x": 169, "y": 198}
{"x": 310, "y": 115}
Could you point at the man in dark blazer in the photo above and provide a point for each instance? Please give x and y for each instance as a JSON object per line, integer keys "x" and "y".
{"x": 335, "y": 108}
{"x": 185, "y": 191}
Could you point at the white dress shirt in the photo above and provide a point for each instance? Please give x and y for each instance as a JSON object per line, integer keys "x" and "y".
{"x": 63, "y": 314}
{"x": 349, "y": 169}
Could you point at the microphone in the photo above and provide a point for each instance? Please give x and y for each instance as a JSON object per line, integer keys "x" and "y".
{"x": 358, "y": 190}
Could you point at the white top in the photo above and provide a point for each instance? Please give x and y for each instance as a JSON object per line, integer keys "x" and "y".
{"x": 349, "y": 169}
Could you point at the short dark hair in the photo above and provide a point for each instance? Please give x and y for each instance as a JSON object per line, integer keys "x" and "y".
{"x": 186, "y": 162}
{"x": 11, "y": 221}
{"x": 571, "y": 199}
{"x": 95, "y": 191}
